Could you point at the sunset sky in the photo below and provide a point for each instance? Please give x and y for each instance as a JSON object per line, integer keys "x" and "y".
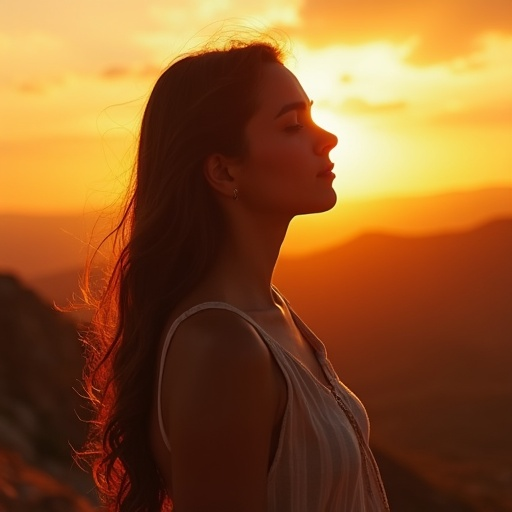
{"x": 418, "y": 92}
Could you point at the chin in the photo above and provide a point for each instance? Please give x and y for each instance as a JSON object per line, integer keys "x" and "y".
{"x": 324, "y": 205}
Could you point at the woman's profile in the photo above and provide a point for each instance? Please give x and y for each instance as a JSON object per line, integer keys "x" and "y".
{"x": 210, "y": 393}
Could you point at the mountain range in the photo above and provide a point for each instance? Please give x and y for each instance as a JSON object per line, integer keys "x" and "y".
{"x": 37, "y": 246}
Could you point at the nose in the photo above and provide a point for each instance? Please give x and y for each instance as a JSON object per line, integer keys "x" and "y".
{"x": 326, "y": 141}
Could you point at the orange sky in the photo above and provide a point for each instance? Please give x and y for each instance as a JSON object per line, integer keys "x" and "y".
{"x": 417, "y": 92}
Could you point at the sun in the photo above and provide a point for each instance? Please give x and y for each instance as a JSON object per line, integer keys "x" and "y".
{"x": 352, "y": 155}
{"x": 368, "y": 152}
{"x": 353, "y": 158}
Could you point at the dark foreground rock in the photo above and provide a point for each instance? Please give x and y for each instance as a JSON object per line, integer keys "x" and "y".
{"x": 24, "y": 488}
{"x": 40, "y": 370}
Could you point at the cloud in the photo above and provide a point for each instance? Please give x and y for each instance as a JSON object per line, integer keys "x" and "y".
{"x": 30, "y": 88}
{"x": 120, "y": 72}
{"x": 42, "y": 39}
{"x": 115, "y": 72}
{"x": 36, "y": 86}
{"x": 441, "y": 30}
{"x": 498, "y": 114}
{"x": 359, "y": 106}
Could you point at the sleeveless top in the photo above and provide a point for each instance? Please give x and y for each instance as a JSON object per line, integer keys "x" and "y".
{"x": 323, "y": 462}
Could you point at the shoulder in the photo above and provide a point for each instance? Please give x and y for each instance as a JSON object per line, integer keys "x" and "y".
{"x": 218, "y": 350}
{"x": 217, "y": 363}
{"x": 220, "y": 406}
{"x": 216, "y": 334}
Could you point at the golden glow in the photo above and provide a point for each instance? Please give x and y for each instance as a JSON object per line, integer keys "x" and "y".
{"x": 412, "y": 117}
{"x": 347, "y": 155}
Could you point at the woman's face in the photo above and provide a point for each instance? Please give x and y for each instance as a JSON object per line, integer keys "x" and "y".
{"x": 287, "y": 169}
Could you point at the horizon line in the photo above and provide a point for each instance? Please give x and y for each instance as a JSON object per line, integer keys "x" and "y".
{"x": 350, "y": 198}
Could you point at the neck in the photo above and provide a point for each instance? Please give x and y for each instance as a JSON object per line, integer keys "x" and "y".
{"x": 245, "y": 266}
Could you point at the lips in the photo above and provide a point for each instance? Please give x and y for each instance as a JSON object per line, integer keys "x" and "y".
{"x": 327, "y": 172}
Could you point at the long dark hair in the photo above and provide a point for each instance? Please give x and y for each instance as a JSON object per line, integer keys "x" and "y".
{"x": 168, "y": 236}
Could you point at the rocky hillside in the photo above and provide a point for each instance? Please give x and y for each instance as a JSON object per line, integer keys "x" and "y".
{"x": 40, "y": 370}
{"x": 25, "y": 488}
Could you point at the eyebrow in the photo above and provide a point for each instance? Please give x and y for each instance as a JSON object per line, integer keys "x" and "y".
{"x": 296, "y": 105}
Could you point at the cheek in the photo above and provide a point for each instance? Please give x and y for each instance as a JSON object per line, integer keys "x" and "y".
{"x": 276, "y": 158}
{"x": 278, "y": 177}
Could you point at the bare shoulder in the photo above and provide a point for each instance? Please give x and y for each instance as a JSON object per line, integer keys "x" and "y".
{"x": 217, "y": 347}
{"x": 219, "y": 335}
{"x": 221, "y": 401}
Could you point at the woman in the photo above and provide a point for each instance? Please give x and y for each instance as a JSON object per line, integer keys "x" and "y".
{"x": 211, "y": 393}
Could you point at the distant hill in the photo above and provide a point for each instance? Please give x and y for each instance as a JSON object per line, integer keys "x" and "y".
{"x": 39, "y": 245}
{"x": 421, "y": 215}
{"x": 34, "y": 246}
{"x": 421, "y": 329}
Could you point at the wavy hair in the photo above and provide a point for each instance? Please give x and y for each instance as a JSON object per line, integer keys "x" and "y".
{"x": 168, "y": 236}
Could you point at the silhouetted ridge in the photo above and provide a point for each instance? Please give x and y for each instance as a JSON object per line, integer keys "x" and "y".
{"x": 41, "y": 363}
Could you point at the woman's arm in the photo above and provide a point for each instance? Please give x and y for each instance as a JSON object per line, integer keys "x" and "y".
{"x": 222, "y": 396}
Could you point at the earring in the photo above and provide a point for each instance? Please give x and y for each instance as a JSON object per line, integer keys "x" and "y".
{"x": 235, "y": 194}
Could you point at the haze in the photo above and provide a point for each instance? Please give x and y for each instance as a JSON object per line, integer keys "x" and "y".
{"x": 418, "y": 96}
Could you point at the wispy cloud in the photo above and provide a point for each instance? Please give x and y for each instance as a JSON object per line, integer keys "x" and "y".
{"x": 31, "y": 88}
{"x": 492, "y": 114}
{"x": 120, "y": 72}
{"x": 440, "y": 30}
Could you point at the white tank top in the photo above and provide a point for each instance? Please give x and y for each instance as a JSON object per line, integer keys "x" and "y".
{"x": 323, "y": 462}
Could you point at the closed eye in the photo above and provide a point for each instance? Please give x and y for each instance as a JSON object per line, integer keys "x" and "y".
{"x": 294, "y": 127}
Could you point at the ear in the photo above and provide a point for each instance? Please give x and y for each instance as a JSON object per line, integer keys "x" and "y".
{"x": 220, "y": 172}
